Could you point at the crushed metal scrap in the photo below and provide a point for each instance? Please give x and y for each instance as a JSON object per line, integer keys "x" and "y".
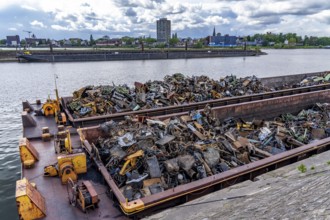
{"x": 147, "y": 156}
{"x": 173, "y": 90}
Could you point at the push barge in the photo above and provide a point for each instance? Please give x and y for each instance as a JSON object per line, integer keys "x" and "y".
{"x": 131, "y": 55}
{"x": 38, "y": 196}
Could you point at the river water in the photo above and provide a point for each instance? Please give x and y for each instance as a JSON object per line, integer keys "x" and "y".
{"x": 31, "y": 81}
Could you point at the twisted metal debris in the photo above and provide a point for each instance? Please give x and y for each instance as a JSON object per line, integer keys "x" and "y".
{"x": 172, "y": 90}
{"x": 148, "y": 156}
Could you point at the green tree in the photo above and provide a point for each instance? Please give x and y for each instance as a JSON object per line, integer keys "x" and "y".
{"x": 199, "y": 44}
{"x": 173, "y": 41}
{"x": 306, "y": 40}
{"x": 23, "y": 42}
{"x": 324, "y": 41}
{"x": 313, "y": 41}
{"x": 150, "y": 40}
{"x": 91, "y": 40}
{"x": 292, "y": 41}
{"x": 127, "y": 40}
{"x": 161, "y": 45}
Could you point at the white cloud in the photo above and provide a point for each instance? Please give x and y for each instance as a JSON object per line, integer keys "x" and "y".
{"x": 188, "y": 16}
{"x": 12, "y": 29}
{"x": 36, "y": 23}
{"x": 60, "y": 28}
{"x": 29, "y": 8}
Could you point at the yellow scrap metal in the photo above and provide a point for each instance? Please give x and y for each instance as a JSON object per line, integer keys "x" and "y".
{"x": 244, "y": 126}
{"x": 29, "y": 155}
{"x": 131, "y": 162}
{"x": 30, "y": 203}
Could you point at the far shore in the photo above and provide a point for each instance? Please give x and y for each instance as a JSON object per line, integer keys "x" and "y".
{"x": 8, "y": 54}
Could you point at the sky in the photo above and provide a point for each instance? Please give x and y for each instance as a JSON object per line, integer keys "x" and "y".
{"x": 63, "y": 19}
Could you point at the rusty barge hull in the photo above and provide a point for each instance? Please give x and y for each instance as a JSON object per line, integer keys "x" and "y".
{"x": 263, "y": 109}
{"x": 269, "y": 81}
{"x": 133, "y": 55}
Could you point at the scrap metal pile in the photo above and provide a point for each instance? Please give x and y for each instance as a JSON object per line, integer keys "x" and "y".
{"x": 148, "y": 156}
{"x": 315, "y": 80}
{"x": 173, "y": 90}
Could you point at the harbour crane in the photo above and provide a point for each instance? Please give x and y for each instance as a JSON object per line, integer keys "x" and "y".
{"x": 28, "y": 32}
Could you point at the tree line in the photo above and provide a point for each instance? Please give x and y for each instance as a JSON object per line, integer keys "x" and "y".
{"x": 292, "y": 38}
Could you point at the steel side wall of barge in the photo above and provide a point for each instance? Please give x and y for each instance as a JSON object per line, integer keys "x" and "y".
{"x": 263, "y": 109}
{"x": 269, "y": 81}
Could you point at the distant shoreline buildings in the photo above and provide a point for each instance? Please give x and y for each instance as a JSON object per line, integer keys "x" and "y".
{"x": 163, "y": 30}
{"x": 217, "y": 40}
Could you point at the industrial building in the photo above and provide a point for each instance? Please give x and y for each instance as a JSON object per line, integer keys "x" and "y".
{"x": 12, "y": 41}
{"x": 222, "y": 41}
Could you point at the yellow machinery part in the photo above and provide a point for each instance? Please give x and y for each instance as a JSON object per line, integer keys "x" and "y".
{"x": 60, "y": 118}
{"x": 63, "y": 142}
{"x": 50, "y": 170}
{"x": 67, "y": 172}
{"x": 78, "y": 161}
{"x": 30, "y": 203}
{"x": 29, "y": 155}
{"x": 49, "y": 108}
{"x": 68, "y": 143}
{"x": 67, "y": 166}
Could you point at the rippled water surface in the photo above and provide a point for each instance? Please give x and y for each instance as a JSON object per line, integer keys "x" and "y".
{"x": 31, "y": 81}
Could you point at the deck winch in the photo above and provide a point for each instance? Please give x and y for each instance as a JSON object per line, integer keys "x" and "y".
{"x": 83, "y": 196}
{"x": 67, "y": 166}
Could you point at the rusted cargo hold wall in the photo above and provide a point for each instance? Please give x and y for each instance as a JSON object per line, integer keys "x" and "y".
{"x": 92, "y": 133}
{"x": 270, "y": 108}
{"x": 288, "y": 79}
{"x": 266, "y": 109}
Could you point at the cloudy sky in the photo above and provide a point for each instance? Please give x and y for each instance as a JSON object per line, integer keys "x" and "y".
{"x": 58, "y": 19}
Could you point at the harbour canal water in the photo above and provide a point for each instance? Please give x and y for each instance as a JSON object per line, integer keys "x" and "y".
{"x": 31, "y": 81}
